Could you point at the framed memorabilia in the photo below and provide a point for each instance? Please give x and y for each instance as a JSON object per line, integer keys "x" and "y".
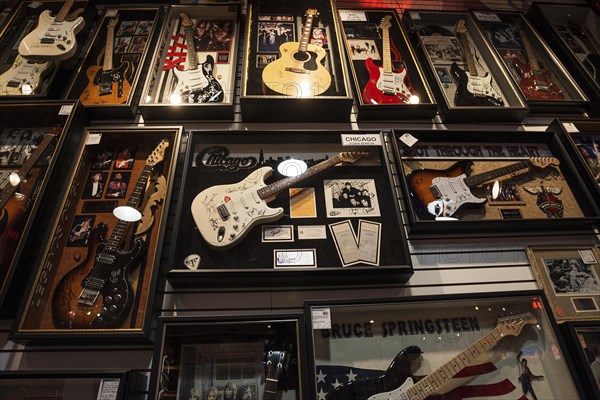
{"x": 570, "y": 276}
{"x": 29, "y": 149}
{"x": 573, "y": 32}
{"x": 109, "y": 81}
{"x": 34, "y": 63}
{"x": 292, "y": 55}
{"x": 507, "y": 181}
{"x": 541, "y": 77}
{"x": 328, "y": 213}
{"x": 196, "y": 84}
{"x": 55, "y": 385}
{"x": 485, "y": 345}
{"x": 388, "y": 82}
{"x": 99, "y": 266}
{"x": 470, "y": 81}
{"x": 239, "y": 358}
{"x": 583, "y": 341}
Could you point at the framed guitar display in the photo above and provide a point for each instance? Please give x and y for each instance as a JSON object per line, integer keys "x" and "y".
{"x": 237, "y": 358}
{"x": 194, "y": 69}
{"x": 484, "y": 345}
{"x": 299, "y": 208}
{"x": 573, "y": 32}
{"x": 491, "y": 182}
{"x": 292, "y": 54}
{"x": 28, "y": 161}
{"x": 96, "y": 276}
{"x": 36, "y": 62}
{"x": 583, "y": 341}
{"x": 543, "y": 80}
{"x": 388, "y": 82}
{"x": 110, "y": 79}
{"x": 470, "y": 81}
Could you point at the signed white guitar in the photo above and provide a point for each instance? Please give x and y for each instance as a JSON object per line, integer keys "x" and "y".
{"x": 54, "y": 37}
{"x": 24, "y": 77}
{"x": 224, "y": 214}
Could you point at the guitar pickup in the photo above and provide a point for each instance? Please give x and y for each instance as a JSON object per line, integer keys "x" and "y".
{"x": 223, "y": 212}
{"x": 13, "y": 84}
{"x": 436, "y": 192}
{"x": 47, "y": 40}
{"x": 105, "y": 89}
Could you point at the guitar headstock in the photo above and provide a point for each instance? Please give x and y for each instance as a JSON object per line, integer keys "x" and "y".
{"x": 185, "y": 20}
{"x": 158, "y": 154}
{"x": 353, "y": 156}
{"x": 543, "y": 162}
{"x": 461, "y": 26}
{"x": 385, "y": 22}
{"x": 312, "y": 12}
{"x": 112, "y": 23}
{"x": 512, "y": 325}
{"x": 56, "y": 131}
{"x": 275, "y": 358}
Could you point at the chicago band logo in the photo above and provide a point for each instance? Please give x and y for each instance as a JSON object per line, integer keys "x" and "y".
{"x": 217, "y": 158}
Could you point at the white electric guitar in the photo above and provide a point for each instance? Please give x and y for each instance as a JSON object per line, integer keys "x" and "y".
{"x": 24, "y": 77}
{"x": 224, "y": 214}
{"x": 54, "y": 37}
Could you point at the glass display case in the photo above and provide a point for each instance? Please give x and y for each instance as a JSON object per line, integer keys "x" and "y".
{"x": 491, "y": 182}
{"x": 239, "y": 358}
{"x": 97, "y": 275}
{"x": 193, "y": 75}
{"x": 583, "y": 342}
{"x": 329, "y": 213}
{"x": 484, "y": 346}
{"x": 293, "y": 67}
{"x": 543, "y": 80}
{"x": 471, "y": 82}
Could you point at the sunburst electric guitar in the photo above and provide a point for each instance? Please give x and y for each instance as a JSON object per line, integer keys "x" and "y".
{"x": 108, "y": 85}
{"x": 98, "y": 292}
{"x": 386, "y": 85}
{"x": 24, "y": 76}
{"x": 191, "y": 87}
{"x": 536, "y": 83}
{"x": 471, "y": 88}
{"x": 224, "y": 214}
{"x": 299, "y": 71}
{"x": 54, "y": 37}
{"x": 397, "y": 383}
{"x": 440, "y": 193}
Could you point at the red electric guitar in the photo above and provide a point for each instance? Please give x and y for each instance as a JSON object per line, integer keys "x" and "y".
{"x": 386, "y": 85}
{"x": 536, "y": 83}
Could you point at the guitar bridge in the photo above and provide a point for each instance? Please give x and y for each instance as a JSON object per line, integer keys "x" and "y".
{"x": 297, "y": 70}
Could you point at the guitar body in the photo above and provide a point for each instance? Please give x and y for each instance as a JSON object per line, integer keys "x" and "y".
{"x": 113, "y": 303}
{"x": 12, "y": 212}
{"x": 224, "y": 214}
{"x": 537, "y": 85}
{"x": 398, "y": 373}
{"x": 474, "y": 90}
{"x": 297, "y": 73}
{"x": 51, "y": 40}
{"x": 190, "y": 84}
{"x": 385, "y": 88}
{"x": 106, "y": 87}
{"x": 24, "y": 77}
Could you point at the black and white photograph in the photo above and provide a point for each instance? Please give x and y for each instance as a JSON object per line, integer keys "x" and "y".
{"x": 143, "y": 28}
{"x": 16, "y": 145}
{"x": 137, "y": 44}
{"x": 263, "y": 59}
{"x": 94, "y": 186}
{"x": 504, "y": 36}
{"x": 361, "y": 49}
{"x": 443, "y": 74}
{"x": 127, "y": 28}
{"x": 571, "y": 275}
{"x": 80, "y": 230}
{"x": 271, "y": 35}
{"x": 363, "y": 31}
{"x": 351, "y": 198}
{"x": 122, "y": 44}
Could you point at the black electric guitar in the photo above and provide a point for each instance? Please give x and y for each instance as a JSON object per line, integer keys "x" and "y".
{"x": 190, "y": 86}
{"x": 275, "y": 361}
{"x": 397, "y": 382}
{"x": 440, "y": 193}
{"x": 471, "y": 88}
{"x": 592, "y": 60}
{"x": 98, "y": 292}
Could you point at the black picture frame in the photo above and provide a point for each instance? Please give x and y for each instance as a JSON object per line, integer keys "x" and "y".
{"x": 576, "y": 334}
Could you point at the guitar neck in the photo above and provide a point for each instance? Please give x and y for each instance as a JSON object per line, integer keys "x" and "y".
{"x": 108, "y": 50}
{"x": 387, "y": 56}
{"x": 529, "y": 51}
{"x": 272, "y": 377}
{"x": 306, "y": 33}
{"x": 443, "y": 375}
{"x": 191, "y": 48}
{"x": 64, "y": 11}
{"x": 9, "y": 189}
{"x": 276, "y": 187}
{"x": 476, "y": 180}
{"x": 466, "y": 47}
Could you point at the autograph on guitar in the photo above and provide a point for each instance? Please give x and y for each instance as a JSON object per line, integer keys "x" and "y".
{"x": 397, "y": 382}
{"x": 98, "y": 292}
{"x": 472, "y": 89}
{"x": 224, "y": 214}
{"x": 24, "y": 77}
{"x": 190, "y": 85}
{"x": 54, "y": 37}
{"x": 386, "y": 85}
{"x": 108, "y": 85}
{"x": 299, "y": 71}
{"x": 441, "y": 193}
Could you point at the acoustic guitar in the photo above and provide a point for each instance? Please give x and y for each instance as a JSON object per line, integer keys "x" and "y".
{"x": 299, "y": 71}
{"x": 108, "y": 85}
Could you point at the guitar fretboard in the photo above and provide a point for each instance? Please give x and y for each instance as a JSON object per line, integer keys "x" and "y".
{"x": 476, "y": 180}
{"x": 529, "y": 50}
{"x": 272, "y": 376}
{"x": 108, "y": 51}
{"x": 191, "y": 48}
{"x": 306, "y": 33}
{"x": 466, "y": 47}
{"x": 387, "y": 56}
{"x": 64, "y": 11}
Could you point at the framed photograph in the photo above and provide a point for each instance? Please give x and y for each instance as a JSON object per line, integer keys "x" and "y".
{"x": 570, "y": 276}
{"x": 272, "y": 34}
